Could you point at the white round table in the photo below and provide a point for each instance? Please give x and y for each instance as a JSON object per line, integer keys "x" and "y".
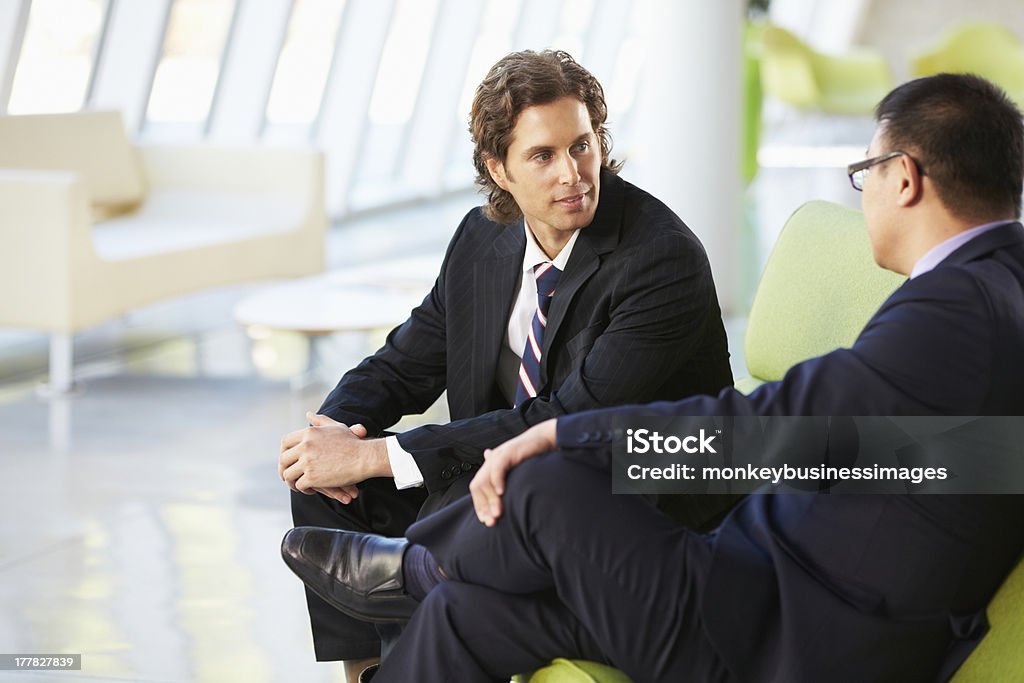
{"x": 361, "y": 299}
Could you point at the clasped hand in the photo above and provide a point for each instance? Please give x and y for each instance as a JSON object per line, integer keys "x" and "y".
{"x": 330, "y": 458}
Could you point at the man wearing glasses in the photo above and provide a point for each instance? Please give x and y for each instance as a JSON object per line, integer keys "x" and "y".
{"x": 789, "y": 587}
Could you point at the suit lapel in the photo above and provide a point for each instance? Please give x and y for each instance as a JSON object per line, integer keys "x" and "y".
{"x": 595, "y": 240}
{"x": 496, "y": 279}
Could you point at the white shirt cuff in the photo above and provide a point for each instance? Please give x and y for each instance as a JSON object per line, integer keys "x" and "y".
{"x": 403, "y": 466}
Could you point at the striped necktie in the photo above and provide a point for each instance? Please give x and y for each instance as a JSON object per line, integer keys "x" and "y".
{"x": 546, "y": 276}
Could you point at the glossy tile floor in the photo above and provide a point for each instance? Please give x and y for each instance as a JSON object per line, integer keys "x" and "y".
{"x": 140, "y": 517}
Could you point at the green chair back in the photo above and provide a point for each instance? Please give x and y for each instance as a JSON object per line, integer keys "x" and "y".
{"x": 818, "y": 289}
{"x": 987, "y": 49}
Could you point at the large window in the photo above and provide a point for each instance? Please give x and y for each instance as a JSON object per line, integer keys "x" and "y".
{"x": 57, "y": 56}
{"x": 383, "y": 87}
{"x": 493, "y": 41}
{"x": 576, "y": 17}
{"x": 305, "y": 62}
{"x": 186, "y": 77}
{"x": 393, "y": 100}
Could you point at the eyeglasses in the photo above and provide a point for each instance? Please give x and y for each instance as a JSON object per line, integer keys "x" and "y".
{"x": 859, "y": 171}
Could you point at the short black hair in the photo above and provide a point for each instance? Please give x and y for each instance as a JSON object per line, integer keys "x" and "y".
{"x": 968, "y": 137}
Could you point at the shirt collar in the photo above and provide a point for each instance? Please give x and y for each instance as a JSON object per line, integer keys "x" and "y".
{"x": 940, "y": 251}
{"x": 534, "y": 255}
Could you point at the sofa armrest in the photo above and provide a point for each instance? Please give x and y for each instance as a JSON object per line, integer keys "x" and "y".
{"x": 44, "y": 242}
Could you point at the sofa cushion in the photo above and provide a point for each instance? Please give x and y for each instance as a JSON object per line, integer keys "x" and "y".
{"x": 182, "y": 219}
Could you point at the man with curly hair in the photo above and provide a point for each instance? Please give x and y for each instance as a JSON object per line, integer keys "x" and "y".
{"x": 571, "y": 289}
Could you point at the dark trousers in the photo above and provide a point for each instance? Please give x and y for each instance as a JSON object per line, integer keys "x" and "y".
{"x": 568, "y": 571}
{"x": 380, "y": 509}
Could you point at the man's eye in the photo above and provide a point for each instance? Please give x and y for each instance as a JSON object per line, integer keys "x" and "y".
{"x": 543, "y": 156}
{"x": 582, "y": 147}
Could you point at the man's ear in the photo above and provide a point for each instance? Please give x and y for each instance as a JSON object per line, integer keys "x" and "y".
{"x": 497, "y": 171}
{"x": 911, "y": 182}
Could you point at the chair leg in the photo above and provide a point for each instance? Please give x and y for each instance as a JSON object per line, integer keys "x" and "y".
{"x": 61, "y": 363}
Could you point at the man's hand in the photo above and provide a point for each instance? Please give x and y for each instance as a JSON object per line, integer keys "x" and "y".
{"x": 488, "y": 485}
{"x": 343, "y": 494}
{"x": 330, "y": 458}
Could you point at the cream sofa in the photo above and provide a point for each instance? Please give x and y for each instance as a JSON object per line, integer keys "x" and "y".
{"x": 93, "y": 226}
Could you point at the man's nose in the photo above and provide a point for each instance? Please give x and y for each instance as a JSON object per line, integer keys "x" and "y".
{"x": 570, "y": 171}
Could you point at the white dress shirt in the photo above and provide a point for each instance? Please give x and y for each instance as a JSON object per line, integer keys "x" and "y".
{"x": 403, "y": 465}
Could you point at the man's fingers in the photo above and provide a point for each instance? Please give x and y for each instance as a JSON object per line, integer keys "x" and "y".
{"x": 359, "y": 430}
{"x": 291, "y": 440}
{"x": 478, "y": 491}
{"x": 319, "y": 420}
{"x": 287, "y": 459}
{"x": 487, "y": 498}
{"x": 495, "y": 512}
{"x": 498, "y": 477}
{"x": 339, "y": 494}
{"x": 305, "y": 484}
{"x": 291, "y": 476}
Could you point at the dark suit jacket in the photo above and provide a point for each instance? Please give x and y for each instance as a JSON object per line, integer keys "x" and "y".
{"x": 635, "y": 318}
{"x": 872, "y": 588}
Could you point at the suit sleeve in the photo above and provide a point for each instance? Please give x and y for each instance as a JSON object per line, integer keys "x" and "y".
{"x": 926, "y": 352}
{"x": 663, "y": 298}
{"x": 407, "y": 374}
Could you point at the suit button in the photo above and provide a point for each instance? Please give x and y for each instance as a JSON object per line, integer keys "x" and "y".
{"x": 446, "y": 474}
{"x": 583, "y": 438}
{"x": 466, "y": 467}
{"x": 608, "y": 436}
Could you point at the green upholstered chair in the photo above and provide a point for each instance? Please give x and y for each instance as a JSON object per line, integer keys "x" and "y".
{"x": 987, "y": 49}
{"x": 819, "y": 288}
{"x": 574, "y": 671}
{"x": 795, "y": 73}
{"x": 1000, "y": 656}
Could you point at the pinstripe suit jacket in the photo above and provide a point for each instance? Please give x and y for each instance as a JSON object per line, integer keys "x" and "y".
{"x": 635, "y": 318}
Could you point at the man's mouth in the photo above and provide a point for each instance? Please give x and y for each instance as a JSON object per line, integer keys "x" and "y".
{"x": 572, "y": 200}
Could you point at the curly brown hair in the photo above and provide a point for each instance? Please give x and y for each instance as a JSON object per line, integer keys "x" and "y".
{"x": 520, "y": 80}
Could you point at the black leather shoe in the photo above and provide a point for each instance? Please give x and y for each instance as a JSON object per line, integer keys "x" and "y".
{"x": 358, "y": 574}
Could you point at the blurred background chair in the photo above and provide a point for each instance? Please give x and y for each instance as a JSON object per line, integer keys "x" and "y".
{"x": 987, "y": 49}
{"x": 753, "y": 96}
{"x": 794, "y": 73}
{"x": 99, "y": 226}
